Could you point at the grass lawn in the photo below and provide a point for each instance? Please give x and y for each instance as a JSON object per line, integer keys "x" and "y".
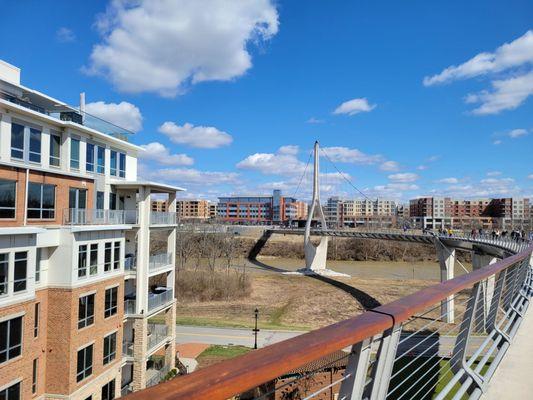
{"x": 236, "y": 323}
{"x": 216, "y": 353}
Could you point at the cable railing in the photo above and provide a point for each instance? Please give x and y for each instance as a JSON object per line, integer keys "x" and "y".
{"x": 402, "y": 350}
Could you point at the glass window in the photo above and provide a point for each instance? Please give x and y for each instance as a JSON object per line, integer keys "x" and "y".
{"x": 21, "y": 269}
{"x": 55, "y": 150}
{"x": 99, "y": 200}
{"x": 34, "y": 375}
{"x": 110, "y": 348}
{"x": 108, "y": 391}
{"x": 41, "y": 201}
{"x": 100, "y": 155}
{"x": 89, "y": 157}
{"x": 38, "y": 259}
{"x": 74, "y": 153}
{"x": 93, "y": 259}
{"x": 107, "y": 257}
{"x": 85, "y": 363}
{"x": 10, "y": 339}
{"x": 17, "y": 141}
{"x": 35, "y": 145}
{"x": 11, "y": 393}
{"x": 114, "y": 160}
{"x": 77, "y": 198}
{"x": 110, "y": 307}
{"x": 7, "y": 198}
{"x": 86, "y": 311}
{"x": 37, "y": 316}
{"x": 4, "y": 265}
{"x": 82, "y": 261}
{"x": 112, "y": 201}
{"x": 116, "y": 256}
{"x": 122, "y": 165}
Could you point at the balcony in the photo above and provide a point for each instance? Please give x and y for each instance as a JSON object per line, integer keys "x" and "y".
{"x": 79, "y": 216}
{"x": 157, "y": 334}
{"x": 129, "y": 305}
{"x": 162, "y": 218}
{"x": 154, "y": 376}
{"x": 159, "y": 298}
{"x": 127, "y": 349}
{"x": 159, "y": 261}
{"x": 130, "y": 263}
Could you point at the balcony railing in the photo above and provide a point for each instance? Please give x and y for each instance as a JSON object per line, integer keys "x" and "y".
{"x": 156, "y": 300}
{"x": 130, "y": 263}
{"x": 82, "y": 216}
{"x": 162, "y": 218}
{"x": 157, "y": 333}
{"x": 160, "y": 260}
{"x": 155, "y": 375}
{"x": 129, "y": 307}
{"x": 127, "y": 349}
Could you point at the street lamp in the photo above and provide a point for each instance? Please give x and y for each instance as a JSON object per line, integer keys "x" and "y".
{"x": 255, "y": 330}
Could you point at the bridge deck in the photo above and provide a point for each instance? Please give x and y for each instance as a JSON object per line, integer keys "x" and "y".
{"x": 513, "y": 378}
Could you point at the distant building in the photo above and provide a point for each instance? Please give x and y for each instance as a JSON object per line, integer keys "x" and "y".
{"x": 159, "y": 205}
{"x": 212, "y": 210}
{"x": 190, "y": 210}
{"x": 431, "y": 212}
{"x": 366, "y": 212}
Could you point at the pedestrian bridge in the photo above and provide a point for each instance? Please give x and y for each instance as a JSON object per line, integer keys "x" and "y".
{"x": 393, "y": 351}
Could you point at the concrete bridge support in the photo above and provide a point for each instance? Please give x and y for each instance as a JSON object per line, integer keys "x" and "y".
{"x": 480, "y": 260}
{"x": 446, "y": 258}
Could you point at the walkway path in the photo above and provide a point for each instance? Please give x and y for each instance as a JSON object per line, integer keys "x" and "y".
{"x": 513, "y": 378}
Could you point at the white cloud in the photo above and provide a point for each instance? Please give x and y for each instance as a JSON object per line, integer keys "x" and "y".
{"x": 65, "y": 35}
{"x": 283, "y": 162}
{"x": 448, "y": 180}
{"x": 123, "y": 114}
{"x": 494, "y": 173}
{"x": 404, "y": 177}
{"x": 516, "y": 133}
{"x": 389, "y": 166}
{"x": 157, "y": 152}
{"x": 314, "y": 120}
{"x": 193, "y": 177}
{"x": 205, "y": 137}
{"x": 289, "y": 149}
{"x": 354, "y": 106}
{"x": 353, "y": 156}
{"x": 530, "y": 176}
{"x": 422, "y": 167}
{"x": 509, "y": 55}
{"x": 497, "y": 142}
{"x": 507, "y": 94}
{"x": 163, "y": 46}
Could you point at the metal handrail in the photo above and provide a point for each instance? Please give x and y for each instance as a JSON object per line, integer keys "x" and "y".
{"x": 232, "y": 377}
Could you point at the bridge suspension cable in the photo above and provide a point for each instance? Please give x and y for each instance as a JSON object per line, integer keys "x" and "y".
{"x": 303, "y": 174}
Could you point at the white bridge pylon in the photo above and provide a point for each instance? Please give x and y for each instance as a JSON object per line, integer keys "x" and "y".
{"x": 316, "y": 256}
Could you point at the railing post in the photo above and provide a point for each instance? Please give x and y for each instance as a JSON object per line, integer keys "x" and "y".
{"x": 490, "y": 322}
{"x": 447, "y": 265}
{"x": 353, "y": 386}
{"x": 382, "y": 370}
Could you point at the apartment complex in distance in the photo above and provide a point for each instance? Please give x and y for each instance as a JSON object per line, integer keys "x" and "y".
{"x": 159, "y": 205}
{"x": 193, "y": 210}
{"x": 81, "y": 287}
{"x": 360, "y": 212}
{"x": 260, "y": 209}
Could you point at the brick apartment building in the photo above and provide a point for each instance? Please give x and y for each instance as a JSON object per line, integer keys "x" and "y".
{"x": 193, "y": 210}
{"x": 80, "y": 284}
{"x": 360, "y": 212}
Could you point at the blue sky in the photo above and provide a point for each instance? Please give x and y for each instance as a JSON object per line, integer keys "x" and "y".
{"x": 408, "y": 99}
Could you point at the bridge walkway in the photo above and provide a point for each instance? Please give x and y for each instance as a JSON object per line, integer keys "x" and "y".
{"x": 513, "y": 378}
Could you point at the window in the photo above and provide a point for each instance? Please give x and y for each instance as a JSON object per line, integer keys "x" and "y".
{"x": 89, "y": 156}
{"x": 77, "y": 198}
{"x": 35, "y": 145}
{"x": 114, "y": 160}
{"x": 116, "y": 256}
{"x": 17, "y": 141}
{"x": 111, "y": 296}
{"x": 7, "y": 198}
{"x": 38, "y": 259}
{"x": 86, "y": 311}
{"x": 82, "y": 261}
{"x": 34, "y": 375}
{"x": 108, "y": 391}
{"x": 107, "y": 257}
{"x": 37, "y": 316}
{"x": 110, "y": 348}
{"x": 99, "y": 200}
{"x": 85, "y": 363}
{"x": 112, "y": 201}
{"x": 122, "y": 165}
{"x": 100, "y": 158}
{"x": 55, "y": 150}
{"x": 41, "y": 201}
{"x": 10, "y": 339}
{"x": 11, "y": 393}
{"x": 4, "y": 266}
{"x": 93, "y": 259}
{"x": 74, "y": 153}
{"x": 21, "y": 269}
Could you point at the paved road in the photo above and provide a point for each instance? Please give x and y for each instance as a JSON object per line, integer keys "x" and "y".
{"x": 230, "y": 336}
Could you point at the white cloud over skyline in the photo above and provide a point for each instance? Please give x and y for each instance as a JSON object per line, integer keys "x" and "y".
{"x": 123, "y": 114}
{"x": 157, "y": 152}
{"x": 354, "y": 106}
{"x": 204, "y": 137}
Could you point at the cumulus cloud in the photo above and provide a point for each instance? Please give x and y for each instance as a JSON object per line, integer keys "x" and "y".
{"x": 514, "y": 59}
{"x": 353, "y": 156}
{"x": 509, "y": 55}
{"x": 516, "y": 133}
{"x": 157, "y": 152}
{"x": 205, "y": 137}
{"x": 488, "y": 187}
{"x": 448, "y": 180}
{"x": 354, "y": 106}
{"x": 163, "y": 46}
{"x": 193, "y": 177}
{"x": 123, "y": 114}
{"x": 389, "y": 166}
{"x": 65, "y": 35}
{"x": 494, "y": 173}
{"x": 283, "y": 162}
{"x": 314, "y": 120}
{"x": 497, "y": 142}
{"x": 403, "y": 177}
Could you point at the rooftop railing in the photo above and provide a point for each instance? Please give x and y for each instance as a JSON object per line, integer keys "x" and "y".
{"x": 402, "y": 350}
{"x": 84, "y": 216}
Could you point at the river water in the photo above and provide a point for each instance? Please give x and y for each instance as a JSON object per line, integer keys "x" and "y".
{"x": 400, "y": 270}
